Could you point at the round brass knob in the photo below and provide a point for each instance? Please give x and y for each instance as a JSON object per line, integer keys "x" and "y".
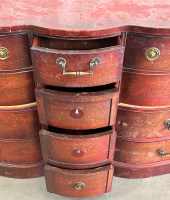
{"x": 79, "y": 186}
{"x": 4, "y": 53}
{"x": 152, "y": 53}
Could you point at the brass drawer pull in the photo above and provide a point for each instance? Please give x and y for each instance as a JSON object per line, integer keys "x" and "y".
{"x": 152, "y": 53}
{"x": 167, "y": 123}
{"x": 161, "y": 151}
{"x": 79, "y": 186}
{"x": 4, "y": 53}
{"x": 61, "y": 62}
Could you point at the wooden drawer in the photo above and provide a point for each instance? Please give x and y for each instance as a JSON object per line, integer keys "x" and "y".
{"x": 78, "y": 55}
{"x": 79, "y": 183}
{"x": 143, "y": 88}
{"x": 143, "y": 121}
{"x": 17, "y": 88}
{"x": 71, "y": 110}
{"x": 139, "y": 45}
{"x": 22, "y": 171}
{"x": 78, "y": 151}
{"x": 14, "y": 52}
{"x": 19, "y": 122}
{"x": 20, "y": 151}
{"x": 142, "y": 150}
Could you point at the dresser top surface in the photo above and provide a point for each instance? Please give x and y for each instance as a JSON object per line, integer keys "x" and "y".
{"x": 76, "y": 16}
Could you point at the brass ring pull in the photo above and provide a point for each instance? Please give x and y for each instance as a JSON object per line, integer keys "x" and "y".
{"x": 167, "y": 123}
{"x": 4, "y": 53}
{"x": 152, "y": 53}
{"x": 61, "y": 62}
{"x": 79, "y": 186}
{"x": 161, "y": 152}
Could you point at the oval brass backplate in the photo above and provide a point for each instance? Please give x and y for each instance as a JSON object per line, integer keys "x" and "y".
{"x": 79, "y": 186}
{"x": 4, "y": 53}
{"x": 152, "y": 53}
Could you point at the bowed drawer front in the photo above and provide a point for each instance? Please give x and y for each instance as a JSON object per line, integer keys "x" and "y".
{"x": 79, "y": 183}
{"x": 143, "y": 121}
{"x": 14, "y": 52}
{"x": 78, "y": 151}
{"x": 88, "y": 110}
{"x": 142, "y": 151}
{"x": 77, "y": 66}
{"x": 19, "y": 122}
{"x": 20, "y": 151}
{"x": 146, "y": 52}
{"x": 17, "y": 88}
{"x": 144, "y": 88}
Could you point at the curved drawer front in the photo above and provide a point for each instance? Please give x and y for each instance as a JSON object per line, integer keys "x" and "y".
{"x": 17, "y": 88}
{"x": 144, "y": 89}
{"x": 22, "y": 171}
{"x": 143, "y": 122}
{"x": 77, "y": 151}
{"x": 141, "y": 152}
{"x": 141, "y": 47}
{"x": 19, "y": 122}
{"x": 48, "y": 72}
{"x": 77, "y": 110}
{"x": 79, "y": 183}
{"x": 14, "y": 52}
{"x": 22, "y": 151}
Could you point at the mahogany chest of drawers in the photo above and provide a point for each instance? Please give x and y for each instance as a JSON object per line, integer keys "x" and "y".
{"x": 78, "y": 50}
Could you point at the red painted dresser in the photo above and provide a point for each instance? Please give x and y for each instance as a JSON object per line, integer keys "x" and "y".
{"x": 77, "y": 52}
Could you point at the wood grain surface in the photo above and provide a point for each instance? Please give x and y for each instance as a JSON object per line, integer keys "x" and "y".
{"x": 86, "y": 110}
{"x": 145, "y": 88}
{"x": 22, "y": 171}
{"x": 142, "y": 121}
{"x": 77, "y": 151}
{"x": 61, "y": 181}
{"x": 19, "y": 122}
{"x": 20, "y": 151}
{"x": 17, "y": 88}
{"x": 18, "y": 47}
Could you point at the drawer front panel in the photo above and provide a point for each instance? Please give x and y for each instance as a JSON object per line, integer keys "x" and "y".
{"x": 145, "y": 89}
{"x": 75, "y": 112}
{"x": 17, "y": 88}
{"x": 22, "y": 171}
{"x": 137, "y": 45}
{"x": 140, "y": 152}
{"x": 17, "y": 47}
{"x": 77, "y": 151}
{"x": 64, "y": 182}
{"x": 142, "y": 122}
{"x": 23, "y": 151}
{"x": 48, "y": 72}
{"x": 19, "y": 122}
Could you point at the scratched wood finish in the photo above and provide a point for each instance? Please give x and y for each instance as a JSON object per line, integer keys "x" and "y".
{"x": 142, "y": 121}
{"x": 20, "y": 151}
{"x": 60, "y": 149}
{"x": 18, "y": 47}
{"x": 136, "y": 45}
{"x": 144, "y": 88}
{"x": 61, "y": 181}
{"x": 19, "y": 122}
{"x": 138, "y": 152}
{"x": 17, "y": 88}
{"x": 22, "y": 171}
{"x": 86, "y": 18}
{"x": 48, "y": 72}
{"x": 88, "y": 110}
{"x": 135, "y": 171}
